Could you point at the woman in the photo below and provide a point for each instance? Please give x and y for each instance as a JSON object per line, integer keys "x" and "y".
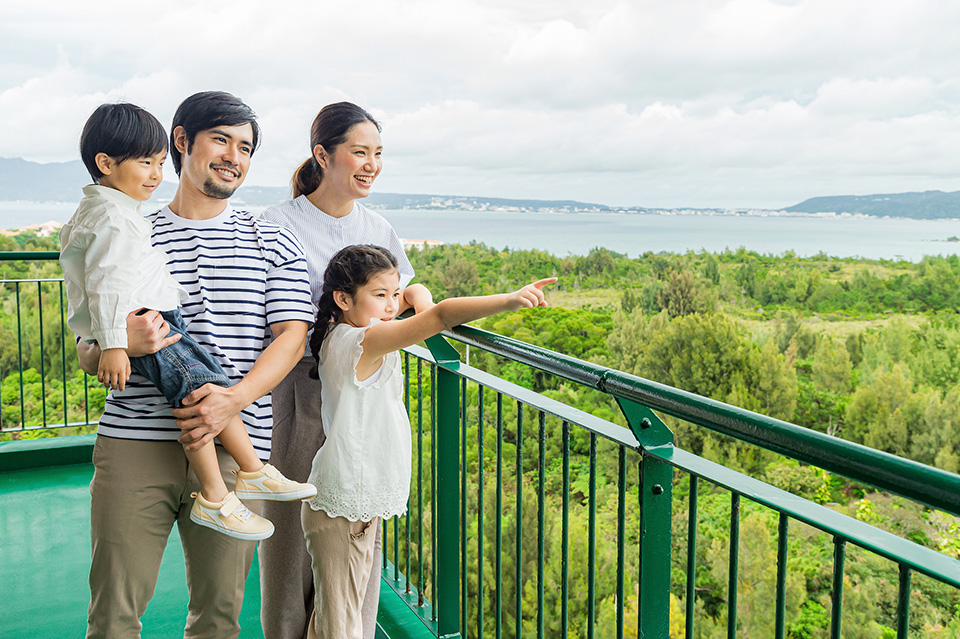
{"x": 326, "y": 216}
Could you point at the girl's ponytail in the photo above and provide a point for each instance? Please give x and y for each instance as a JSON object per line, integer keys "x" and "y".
{"x": 328, "y": 314}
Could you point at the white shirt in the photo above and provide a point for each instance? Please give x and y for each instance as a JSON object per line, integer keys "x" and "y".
{"x": 242, "y": 275}
{"x": 322, "y": 236}
{"x": 110, "y": 268}
{"x": 362, "y": 470}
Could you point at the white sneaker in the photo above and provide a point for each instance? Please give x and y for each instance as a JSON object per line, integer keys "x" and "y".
{"x": 269, "y": 483}
{"x": 230, "y": 517}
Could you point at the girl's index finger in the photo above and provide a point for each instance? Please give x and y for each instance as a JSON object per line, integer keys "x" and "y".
{"x": 545, "y": 282}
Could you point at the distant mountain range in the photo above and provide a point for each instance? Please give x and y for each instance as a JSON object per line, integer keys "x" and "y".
{"x": 61, "y": 182}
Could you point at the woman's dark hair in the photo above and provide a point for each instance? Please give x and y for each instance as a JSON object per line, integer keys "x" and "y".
{"x": 206, "y": 110}
{"x": 329, "y": 130}
{"x": 123, "y": 131}
{"x": 347, "y": 271}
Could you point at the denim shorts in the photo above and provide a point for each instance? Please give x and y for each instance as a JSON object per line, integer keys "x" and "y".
{"x": 182, "y": 367}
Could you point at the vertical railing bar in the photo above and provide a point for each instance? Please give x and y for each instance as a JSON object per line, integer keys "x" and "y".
{"x": 63, "y": 354}
{"x": 903, "y": 605}
{"x": 23, "y": 399}
{"x": 480, "y": 511}
{"x": 433, "y": 492}
{"x": 592, "y": 541}
{"x": 692, "y": 554}
{"x": 499, "y": 540}
{"x": 409, "y": 516}
{"x": 621, "y": 524}
{"x": 640, "y": 544}
{"x": 734, "y": 563}
{"x": 463, "y": 507}
{"x": 43, "y": 373}
{"x": 839, "y": 558}
{"x": 565, "y": 534}
{"x": 783, "y": 532}
{"x": 541, "y": 508}
{"x": 420, "y": 574}
{"x": 518, "y": 596}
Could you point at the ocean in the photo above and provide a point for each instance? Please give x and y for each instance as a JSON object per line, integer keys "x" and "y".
{"x": 633, "y": 234}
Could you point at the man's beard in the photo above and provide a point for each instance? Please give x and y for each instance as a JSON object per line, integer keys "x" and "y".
{"x": 218, "y": 191}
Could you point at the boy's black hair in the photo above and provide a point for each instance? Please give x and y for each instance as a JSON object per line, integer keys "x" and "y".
{"x": 123, "y": 131}
{"x": 206, "y": 110}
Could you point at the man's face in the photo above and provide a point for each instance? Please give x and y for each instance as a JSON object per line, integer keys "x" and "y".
{"x": 218, "y": 160}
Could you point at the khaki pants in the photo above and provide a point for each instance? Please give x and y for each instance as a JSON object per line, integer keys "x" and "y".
{"x": 342, "y": 553}
{"x": 139, "y": 490}
{"x": 286, "y": 576}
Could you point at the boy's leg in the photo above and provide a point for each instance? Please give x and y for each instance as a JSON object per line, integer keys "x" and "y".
{"x": 237, "y": 442}
{"x": 342, "y": 553}
{"x": 286, "y": 577}
{"x": 217, "y": 567}
{"x": 204, "y": 464}
{"x": 135, "y": 495}
{"x": 181, "y": 367}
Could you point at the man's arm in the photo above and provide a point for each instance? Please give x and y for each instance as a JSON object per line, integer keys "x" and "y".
{"x": 146, "y": 334}
{"x": 213, "y": 406}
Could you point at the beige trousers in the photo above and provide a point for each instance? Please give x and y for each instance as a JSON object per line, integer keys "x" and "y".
{"x": 286, "y": 576}
{"x": 139, "y": 490}
{"x": 342, "y": 553}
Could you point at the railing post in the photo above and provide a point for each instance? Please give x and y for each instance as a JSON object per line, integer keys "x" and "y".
{"x": 656, "y": 502}
{"x": 447, "y": 434}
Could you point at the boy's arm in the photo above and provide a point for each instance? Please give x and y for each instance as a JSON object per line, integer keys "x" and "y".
{"x": 114, "y": 369}
{"x": 213, "y": 406}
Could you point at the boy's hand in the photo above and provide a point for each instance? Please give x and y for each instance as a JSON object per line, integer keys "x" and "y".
{"x": 114, "y": 369}
{"x": 531, "y": 295}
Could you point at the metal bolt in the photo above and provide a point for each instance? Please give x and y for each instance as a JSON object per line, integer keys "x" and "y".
{"x": 645, "y": 423}
{"x": 657, "y": 489}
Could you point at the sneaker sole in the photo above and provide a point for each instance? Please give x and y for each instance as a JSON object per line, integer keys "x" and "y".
{"x": 298, "y": 495}
{"x": 232, "y": 533}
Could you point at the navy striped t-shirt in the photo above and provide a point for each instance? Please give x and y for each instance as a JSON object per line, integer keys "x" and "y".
{"x": 242, "y": 275}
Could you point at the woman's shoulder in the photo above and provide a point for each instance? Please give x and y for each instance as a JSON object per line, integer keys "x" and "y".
{"x": 280, "y": 213}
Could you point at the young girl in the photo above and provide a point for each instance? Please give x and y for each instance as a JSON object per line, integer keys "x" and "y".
{"x": 325, "y": 215}
{"x": 362, "y": 471}
{"x": 111, "y": 269}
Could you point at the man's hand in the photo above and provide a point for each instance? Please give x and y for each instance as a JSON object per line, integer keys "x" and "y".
{"x": 147, "y": 333}
{"x": 206, "y": 411}
{"x": 114, "y": 368}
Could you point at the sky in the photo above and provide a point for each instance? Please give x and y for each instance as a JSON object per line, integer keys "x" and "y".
{"x": 665, "y": 103}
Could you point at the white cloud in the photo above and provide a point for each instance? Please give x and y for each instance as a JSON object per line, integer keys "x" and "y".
{"x": 694, "y": 102}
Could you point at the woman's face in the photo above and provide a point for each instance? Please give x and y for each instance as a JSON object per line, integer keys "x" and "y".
{"x": 355, "y": 164}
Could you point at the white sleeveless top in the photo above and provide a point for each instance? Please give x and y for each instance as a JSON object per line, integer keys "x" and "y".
{"x": 362, "y": 470}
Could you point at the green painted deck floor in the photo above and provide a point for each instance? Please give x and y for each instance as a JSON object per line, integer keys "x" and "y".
{"x": 45, "y": 558}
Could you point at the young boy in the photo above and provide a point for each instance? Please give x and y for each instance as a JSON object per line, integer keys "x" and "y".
{"x": 111, "y": 269}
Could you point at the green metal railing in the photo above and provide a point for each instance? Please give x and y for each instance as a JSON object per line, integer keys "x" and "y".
{"x": 455, "y": 397}
{"x": 49, "y": 390}
{"x": 488, "y": 550}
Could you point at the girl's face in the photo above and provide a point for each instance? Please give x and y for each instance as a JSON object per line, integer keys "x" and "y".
{"x": 355, "y": 164}
{"x": 378, "y": 298}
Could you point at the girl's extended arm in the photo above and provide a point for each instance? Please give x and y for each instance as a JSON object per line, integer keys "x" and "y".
{"x": 390, "y": 336}
{"x": 416, "y": 296}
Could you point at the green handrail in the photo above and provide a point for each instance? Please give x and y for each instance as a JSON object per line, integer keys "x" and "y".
{"x": 931, "y": 486}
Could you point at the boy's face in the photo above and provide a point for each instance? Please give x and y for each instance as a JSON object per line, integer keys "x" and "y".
{"x": 137, "y": 177}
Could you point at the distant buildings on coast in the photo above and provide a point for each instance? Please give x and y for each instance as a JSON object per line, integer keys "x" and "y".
{"x": 41, "y": 230}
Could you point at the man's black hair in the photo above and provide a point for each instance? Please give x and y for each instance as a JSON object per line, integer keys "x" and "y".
{"x": 206, "y": 110}
{"x": 123, "y": 131}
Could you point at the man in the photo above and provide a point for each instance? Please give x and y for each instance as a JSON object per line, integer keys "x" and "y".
{"x": 243, "y": 277}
